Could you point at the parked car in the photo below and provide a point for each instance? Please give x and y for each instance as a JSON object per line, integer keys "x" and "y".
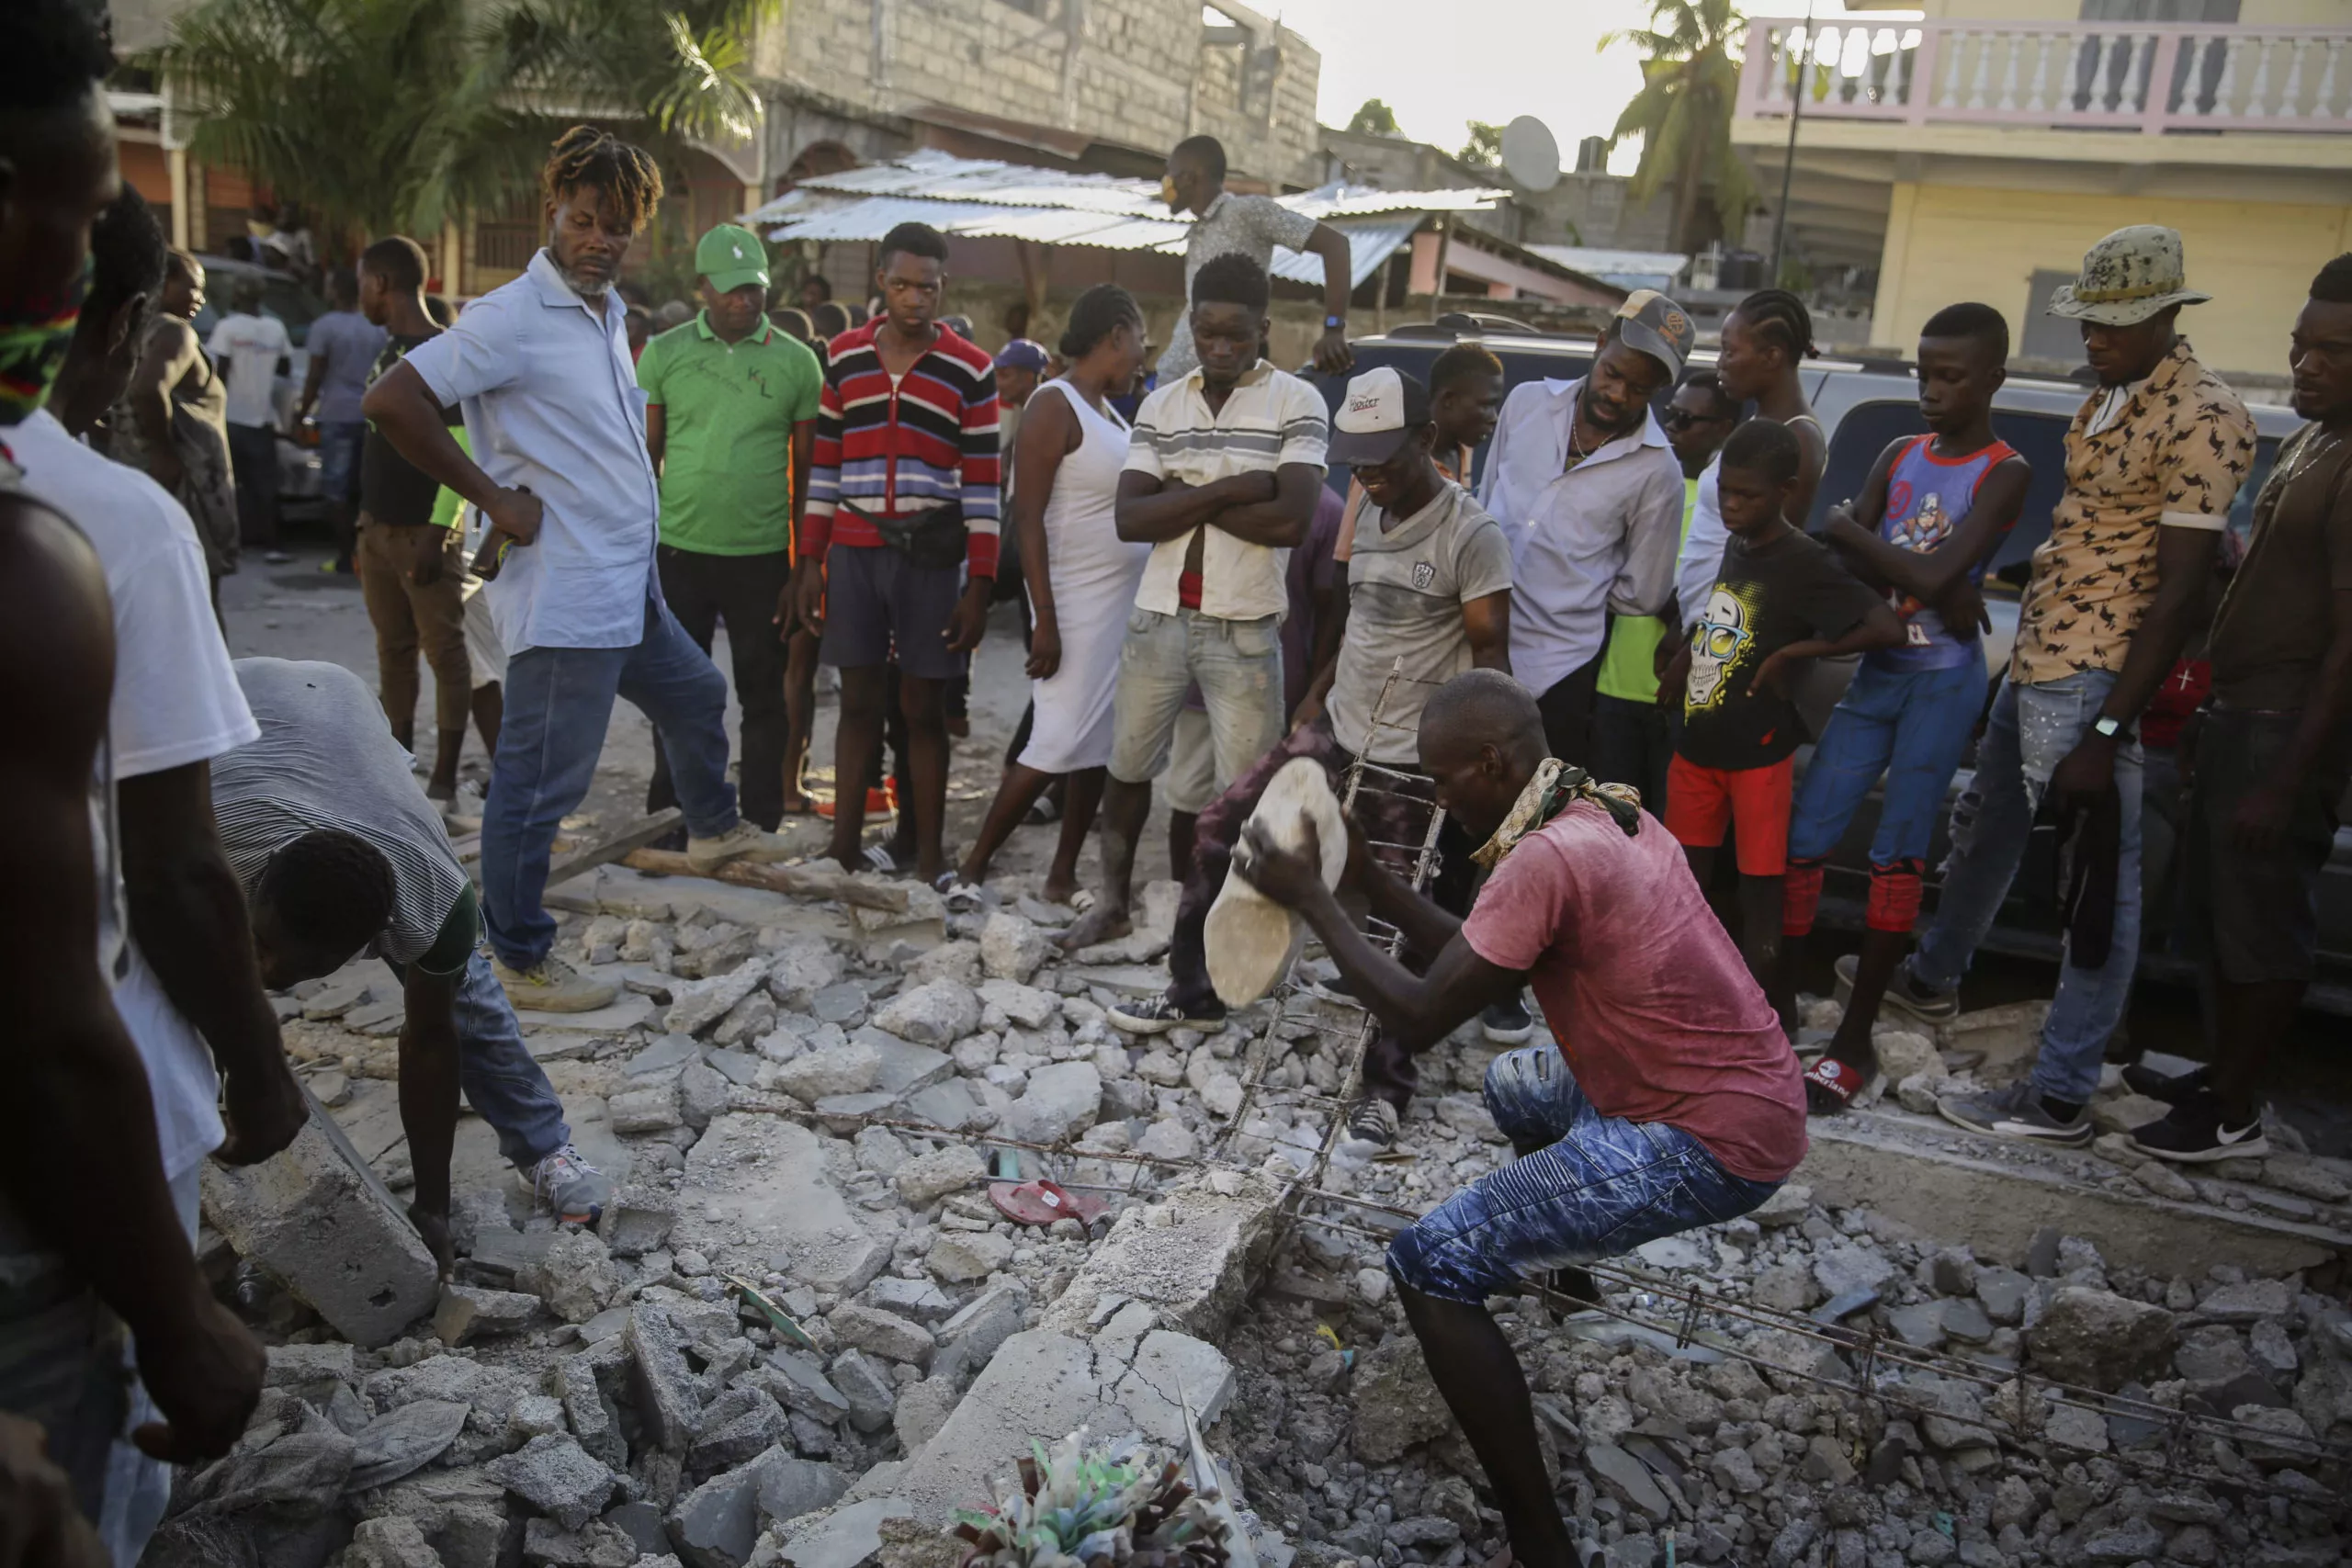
{"x": 1864, "y": 404}
{"x": 299, "y": 489}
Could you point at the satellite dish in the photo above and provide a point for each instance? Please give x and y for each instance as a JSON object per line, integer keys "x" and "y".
{"x": 1531, "y": 155}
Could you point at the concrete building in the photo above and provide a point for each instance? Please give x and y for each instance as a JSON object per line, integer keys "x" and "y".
{"x": 1976, "y": 153}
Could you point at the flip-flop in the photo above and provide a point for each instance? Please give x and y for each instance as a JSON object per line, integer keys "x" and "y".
{"x": 1041, "y": 812}
{"x": 880, "y": 860}
{"x": 960, "y": 897}
{"x": 1081, "y": 901}
{"x": 1842, "y": 1081}
{"x": 1041, "y": 1203}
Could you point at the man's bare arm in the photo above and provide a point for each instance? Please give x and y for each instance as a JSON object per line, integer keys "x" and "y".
{"x": 188, "y": 913}
{"x": 657, "y": 433}
{"x": 81, "y": 1165}
{"x": 1417, "y": 1008}
{"x": 1486, "y": 620}
{"x": 1282, "y": 520}
{"x": 1149, "y": 510}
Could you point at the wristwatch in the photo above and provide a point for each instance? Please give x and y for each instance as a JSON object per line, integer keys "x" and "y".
{"x": 2107, "y": 726}
{"x": 1334, "y": 323}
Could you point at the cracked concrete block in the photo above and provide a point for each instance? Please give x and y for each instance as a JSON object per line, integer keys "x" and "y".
{"x": 594, "y": 1419}
{"x": 845, "y": 1537}
{"x": 923, "y": 1410}
{"x": 1062, "y": 1099}
{"x": 558, "y": 1477}
{"x": 961, "y": 1255}
{"x": 469, "y": 1312}
{"x": 1170, "y": 1368}
{"x": 848, "y": 1068}
{"x": 1192, "y": 1258}
{"x": 546, "y": 1544}
{"x": 867, "y": 1389}
{"x": 800, "y": 1385}
{"x": 917, "y": 1299}
{"x": 926, "y": 1179}
{"x": 906, "y": 1066}
{"x": 393, "y": 1542}
{"x": 319, "y": 1219}
{"x": 1010, "y": 947}
{"x": 1041, "y": 1386}
{"x": 667, "y": 1393}
{"x": 985, "y": 1322}
{"x": 884, "y": 1334}
{"x": 936, "y": 1013}
{"x": 575, "y": 1277}
{"x": 737, "y": 1427}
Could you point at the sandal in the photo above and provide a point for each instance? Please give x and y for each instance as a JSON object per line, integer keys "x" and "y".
{"x": 882, "y": 861}
{"x": 961, "y": 898}
{"x": 1042, "y": 811}
{"x": 1839, "y": 1080}
{"x": 1041, "y": 1203}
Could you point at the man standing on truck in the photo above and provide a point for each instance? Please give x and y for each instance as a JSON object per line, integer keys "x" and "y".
{"x": 2154, "y": 459}
{"x": 1226, "y": 224}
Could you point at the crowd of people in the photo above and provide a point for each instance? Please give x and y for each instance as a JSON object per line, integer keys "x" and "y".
{"x": 1589, "y": 662}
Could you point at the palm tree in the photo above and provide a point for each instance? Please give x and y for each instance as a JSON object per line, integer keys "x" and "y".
{"x": 1682, "y": 114}
{"x": 395, "y": 115}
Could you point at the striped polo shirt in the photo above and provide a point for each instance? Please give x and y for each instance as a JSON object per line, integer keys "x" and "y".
{"x": 896, "y": 451}
{"x": 1270, "y": 419}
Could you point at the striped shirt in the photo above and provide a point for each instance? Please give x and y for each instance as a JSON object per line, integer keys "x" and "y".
{"x": 898, "y": 450}
{"x": 1270, "y": 419}
{"x": 326, "y": 761}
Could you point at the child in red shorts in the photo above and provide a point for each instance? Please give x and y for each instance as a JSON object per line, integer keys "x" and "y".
{"x": 1779, "y": 598}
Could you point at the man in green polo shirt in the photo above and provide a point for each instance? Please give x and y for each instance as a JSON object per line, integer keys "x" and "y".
{"x": 730, "y": 420}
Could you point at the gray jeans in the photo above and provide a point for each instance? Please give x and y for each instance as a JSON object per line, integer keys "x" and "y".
{"x": 1240, "y": 667}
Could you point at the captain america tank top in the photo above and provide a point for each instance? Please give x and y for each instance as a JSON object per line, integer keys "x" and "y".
{"x": 1928, "y": 497}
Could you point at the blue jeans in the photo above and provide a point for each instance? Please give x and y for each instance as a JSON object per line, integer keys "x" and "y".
{"x": 1911, "y": 725}
{"x": 339, "y": 445}
{"x": 2030, "y": 731}
{"x": 502, "y": 1080}
{"x": 559, "y": 702}
{"x": 1238, "y": 666}
{"x": 1585, "y": 1185}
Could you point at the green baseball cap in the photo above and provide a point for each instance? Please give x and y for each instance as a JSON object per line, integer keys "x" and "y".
{"x": 731, "y": 256}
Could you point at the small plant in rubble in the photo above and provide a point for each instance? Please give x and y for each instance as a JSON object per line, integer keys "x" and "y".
{"x": 1094, "y": 1506}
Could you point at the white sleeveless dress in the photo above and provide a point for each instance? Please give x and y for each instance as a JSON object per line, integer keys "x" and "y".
{"x": 1094, "y": 574}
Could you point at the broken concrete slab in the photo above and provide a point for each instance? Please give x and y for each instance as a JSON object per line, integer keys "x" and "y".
{"x": 717, "y": 1525}
{"x": 845, "y": 1537}
{"x": 318, "y": 1219}
{"x": 1191, "y": 1256}
{"x": 598, "y": 1544}
{"x": 1040, "y": 1387}
{"x": 926, "y": 1179}
{"x": 668, "y": 1396}
{"x": 1169, "y": 1370}
{"x": 936, "y": 1014}
{"x": 469, "y": 1312}
{"x": 757, "y": 1194}
{"x": 558, "y": 1477}
{"x": 880, "y": 1332}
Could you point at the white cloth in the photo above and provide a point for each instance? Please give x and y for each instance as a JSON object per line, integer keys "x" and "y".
{"x": 552, "y": 405}
{"x": 252, "y": 345}
{"x": 1269, "y": 418}
{"x": 1243, "y": 225}
{"x": 1585, "y": 541}
{"x": 1701, "y": 559}
{"x": 176, "y": 702}
{"x": 1094, "y": 573}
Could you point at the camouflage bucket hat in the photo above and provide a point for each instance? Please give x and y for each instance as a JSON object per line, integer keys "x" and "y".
{"x": 2127, "y": 277}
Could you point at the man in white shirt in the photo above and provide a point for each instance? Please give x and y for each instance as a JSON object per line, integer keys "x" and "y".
{"x": 1223, "y": 470}
{"x": 249, "y": 349}
{"x": 189, "y": 977}
{"x": 1587, "y": 490}
{"x": 542, "y": 368}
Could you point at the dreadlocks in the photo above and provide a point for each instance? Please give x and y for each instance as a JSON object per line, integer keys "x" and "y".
{"x": 627, "y": 176}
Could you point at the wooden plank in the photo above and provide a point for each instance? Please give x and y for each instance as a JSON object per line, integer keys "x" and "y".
{"x": 801, "y": 881}
{"x": 637, "y": 835}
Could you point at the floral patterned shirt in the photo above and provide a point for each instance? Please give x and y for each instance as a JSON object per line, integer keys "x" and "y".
{"x": 2173, "y": 456}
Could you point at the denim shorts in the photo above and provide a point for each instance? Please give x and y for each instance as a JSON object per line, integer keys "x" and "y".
{"x": 1585, "y": 1187}
{"x": 1912, "y": 725}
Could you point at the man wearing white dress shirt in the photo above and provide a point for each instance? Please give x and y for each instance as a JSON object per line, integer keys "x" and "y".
{"x": 541, "y": 368}
{"x": 1589, "y": 492}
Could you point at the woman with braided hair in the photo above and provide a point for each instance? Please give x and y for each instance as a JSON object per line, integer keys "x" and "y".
{"x": 542, "y": 369}
{"x": 1765, "y": 342}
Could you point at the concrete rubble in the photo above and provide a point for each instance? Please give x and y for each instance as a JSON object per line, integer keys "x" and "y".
{"x": 811, "y": 1107}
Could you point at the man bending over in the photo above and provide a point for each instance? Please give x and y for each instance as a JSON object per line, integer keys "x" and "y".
{"x": 339, "y": 851}
{"x": 1673, "y": 1101}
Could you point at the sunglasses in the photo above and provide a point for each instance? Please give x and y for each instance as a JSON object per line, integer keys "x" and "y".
{"x": 1717, "y": 640}
{"x": 1683, "y": 419}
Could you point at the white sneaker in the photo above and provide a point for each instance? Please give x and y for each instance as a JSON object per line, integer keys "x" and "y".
{"x": 742, "y": 841}
{"x": 568, "y": 1184}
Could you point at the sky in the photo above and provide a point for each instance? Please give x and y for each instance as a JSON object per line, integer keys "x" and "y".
{"x": 1489, "y": 59}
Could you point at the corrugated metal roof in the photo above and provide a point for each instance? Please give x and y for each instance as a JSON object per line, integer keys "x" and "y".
{"x": 986, "y": 198}
{"x": 1600, "y": 261}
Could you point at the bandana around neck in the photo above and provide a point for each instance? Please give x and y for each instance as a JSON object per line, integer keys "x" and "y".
{"x": 34, "y": 335}
{"x": 1554, "y": 787}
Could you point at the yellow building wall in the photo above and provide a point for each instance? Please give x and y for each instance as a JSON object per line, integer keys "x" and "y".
{"x": 1946, "y": 243}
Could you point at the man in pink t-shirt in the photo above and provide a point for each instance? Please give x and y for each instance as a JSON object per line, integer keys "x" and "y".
{"x": 1672, "y": 1099}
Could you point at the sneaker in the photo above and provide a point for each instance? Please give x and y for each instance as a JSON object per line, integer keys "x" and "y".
{"x": 2173, "y": 1089}
{"x": 1508, "y": 1023}
{"x": 1905, "y": 993}
{"x": 2195, "y": 1132}
{"x": 2015, "y": 1112}
{"x": 1155, "y": 1015}
{"x": 553, "y": 986}
{"x": 742, "y": 841}
{"x": 569, "y": 1185}
{"x": 1371, "y": 1124}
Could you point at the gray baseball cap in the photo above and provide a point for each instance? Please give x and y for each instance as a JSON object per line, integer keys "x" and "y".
{"x": 1656, "y": 326}
{"x": 2127, "y": 277}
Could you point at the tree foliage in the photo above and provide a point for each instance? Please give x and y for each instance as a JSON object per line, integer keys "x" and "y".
{"x": 1484, "y": 146}
{"x": 384, "y": 116}
{"x": 1373, "y": 118}
{"x": 1689, "y": 80}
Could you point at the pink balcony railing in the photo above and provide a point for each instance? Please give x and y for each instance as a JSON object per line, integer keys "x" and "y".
{"x": 2171, "y": 78}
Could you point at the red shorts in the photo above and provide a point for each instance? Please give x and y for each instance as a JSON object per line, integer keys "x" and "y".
{"x": 1701, "y": 801}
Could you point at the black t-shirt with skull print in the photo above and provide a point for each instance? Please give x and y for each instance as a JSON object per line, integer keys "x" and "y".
{"x": 1764, "y": 599}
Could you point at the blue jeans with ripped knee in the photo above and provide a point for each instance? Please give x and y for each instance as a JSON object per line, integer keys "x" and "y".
{"x": 1597, "y": 1185}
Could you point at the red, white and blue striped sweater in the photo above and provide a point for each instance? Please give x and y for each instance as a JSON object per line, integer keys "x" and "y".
{"x": 897, "y": 451}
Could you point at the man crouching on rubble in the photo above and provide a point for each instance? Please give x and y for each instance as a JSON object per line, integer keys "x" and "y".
{"x": 1672, "y": 1099}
